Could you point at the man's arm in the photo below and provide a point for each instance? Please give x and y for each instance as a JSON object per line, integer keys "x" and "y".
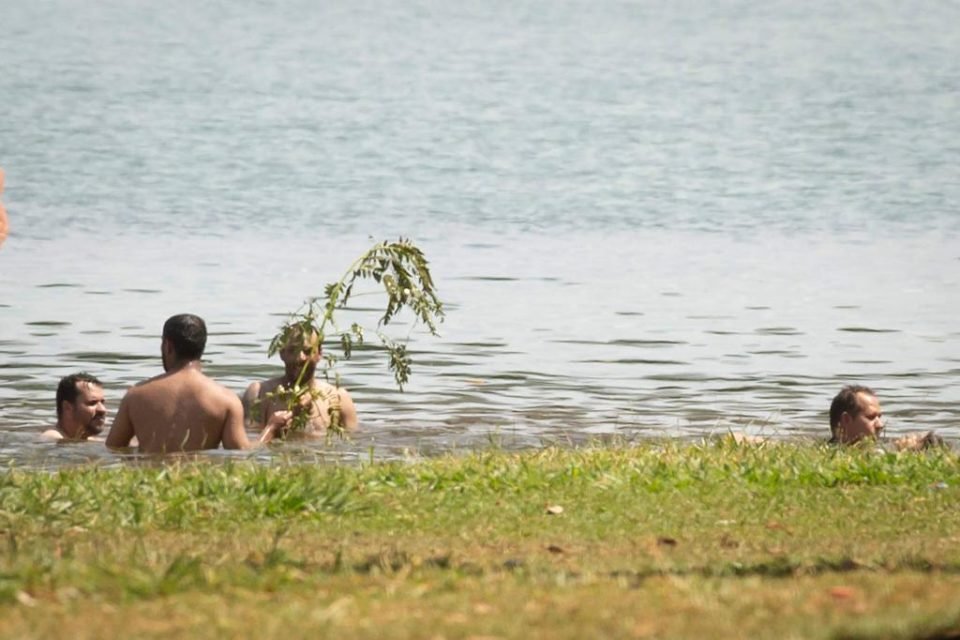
{"x": 121, "y": 431}
{"x": 234, "y": 435}
{"x": 252, "y": 412}
{"x": 348, "y": 410}
{"x": 918, "y": 442}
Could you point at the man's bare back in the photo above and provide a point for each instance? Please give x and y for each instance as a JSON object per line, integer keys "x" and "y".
{"x": 180, "y": 411}
{"x": 183, "y": 409}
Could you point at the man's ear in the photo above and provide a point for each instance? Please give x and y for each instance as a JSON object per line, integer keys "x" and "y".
{"x": 66, "y": 410}
{"x": 845, "y": 420}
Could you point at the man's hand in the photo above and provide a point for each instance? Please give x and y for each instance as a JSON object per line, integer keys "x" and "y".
{"x": 917, "y": 442}
{"x": 277, "y": 426}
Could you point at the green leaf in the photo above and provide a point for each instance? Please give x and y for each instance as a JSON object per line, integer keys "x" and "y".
{"x": 402, "y": 270}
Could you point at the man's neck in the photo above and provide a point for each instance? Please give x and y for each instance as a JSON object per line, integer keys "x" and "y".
{"x": 79, "y": 435}
{"x": 183, "y": 365}
{"x": 289, "y": 381}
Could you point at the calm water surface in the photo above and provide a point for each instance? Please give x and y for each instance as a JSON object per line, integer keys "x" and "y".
{"x": 646, "y": 219}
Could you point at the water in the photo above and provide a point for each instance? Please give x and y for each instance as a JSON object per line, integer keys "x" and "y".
{"x": 646, "y": 218}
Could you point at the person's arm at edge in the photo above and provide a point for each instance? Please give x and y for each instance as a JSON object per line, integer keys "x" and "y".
{"x": 918, "y": 441}
{"x": 121, "y": 431}
{"x": 348, "y": 410}
{"x": 250, "y": 398}
{"x": 234, "y": 434}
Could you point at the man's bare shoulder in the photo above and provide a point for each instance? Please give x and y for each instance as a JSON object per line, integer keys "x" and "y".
{"x": 328, "y": 387}
{"x": 206, "y": 386}
{"x": 226, "y": 394}
{"x": 263, "y": 387}
{"x": 348, "y": 409}
{"x": 54, "y": 435}
{"x": 146, "y": 386}
{"x": 341, "y": 392}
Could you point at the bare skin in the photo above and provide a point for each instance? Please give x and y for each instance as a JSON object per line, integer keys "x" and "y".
{"x": 260, "y": 409}
{"x": 918, "y": 442}
{"x": 256, "y": 395}
{"x": 82, "y": 419}
{"x": 866, "y": 425}
{"x": 183, "y": 410}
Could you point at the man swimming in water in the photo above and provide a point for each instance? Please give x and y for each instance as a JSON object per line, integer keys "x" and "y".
{"x": 324, "y": 403}
{"x": 856, "y": 416}
{"x": 183, "y": 409}
{"x": 81, "y": 409}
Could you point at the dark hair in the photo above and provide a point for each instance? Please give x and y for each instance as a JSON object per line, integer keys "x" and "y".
{"x": 188, "y": 335}
{"x": 67, "y": 389}
{"x": 847, "y": 402}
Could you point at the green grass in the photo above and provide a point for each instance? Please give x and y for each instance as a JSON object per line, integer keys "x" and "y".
{"x": 657, "y": 540}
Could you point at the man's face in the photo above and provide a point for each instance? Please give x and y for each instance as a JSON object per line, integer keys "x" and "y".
{"x": 88, "y": 413}
{"x": 868, "y": 423}
{"x": 299, "y": 352}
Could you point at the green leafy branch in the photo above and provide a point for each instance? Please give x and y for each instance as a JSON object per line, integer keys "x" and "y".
{"x": 403, "y": 271}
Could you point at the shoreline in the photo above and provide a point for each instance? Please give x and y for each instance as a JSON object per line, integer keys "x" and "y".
{"x": 680, "y": 540}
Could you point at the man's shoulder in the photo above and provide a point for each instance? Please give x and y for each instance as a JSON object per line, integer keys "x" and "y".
{"x": 146, "y": 386}
{"x": 144, "y": 392}
{"x": 324, "y": 385}
{"x": 209, "y": 387}
{"x": 51, "y": 434}
{"x": 194, "y": 381}
{"x": 341, "y": 392}
{"x": 260, "y": 387}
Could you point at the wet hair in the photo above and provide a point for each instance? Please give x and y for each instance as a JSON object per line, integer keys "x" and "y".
{"x": 68, "y": 389}
{"x": 188, "y": 335}
{"x": 847, "y": 401}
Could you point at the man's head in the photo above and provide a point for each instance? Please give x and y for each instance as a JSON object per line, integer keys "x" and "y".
{"x": 855, "y": 414}
{"x": 81, "y": 407}
{"x": 185, "y": 336}
{"x": 299, "y": 350}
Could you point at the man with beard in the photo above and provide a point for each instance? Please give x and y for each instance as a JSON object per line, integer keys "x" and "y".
{"x": 81, "y": 409}
{"x": 183, "y": 409}
{"x": 325, "y": 405}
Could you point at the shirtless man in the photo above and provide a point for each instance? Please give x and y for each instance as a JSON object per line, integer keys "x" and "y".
{"x": 855, "y": 416}
{"x": 183, "y": 409}
{"x": 300, "y": 357}
{"x": 81, "y": 409}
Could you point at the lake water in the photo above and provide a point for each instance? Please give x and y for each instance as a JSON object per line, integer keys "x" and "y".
{"x": 646, "y": 219}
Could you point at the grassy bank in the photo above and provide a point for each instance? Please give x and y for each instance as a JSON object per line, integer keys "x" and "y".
{"x": 657, "y": 540}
